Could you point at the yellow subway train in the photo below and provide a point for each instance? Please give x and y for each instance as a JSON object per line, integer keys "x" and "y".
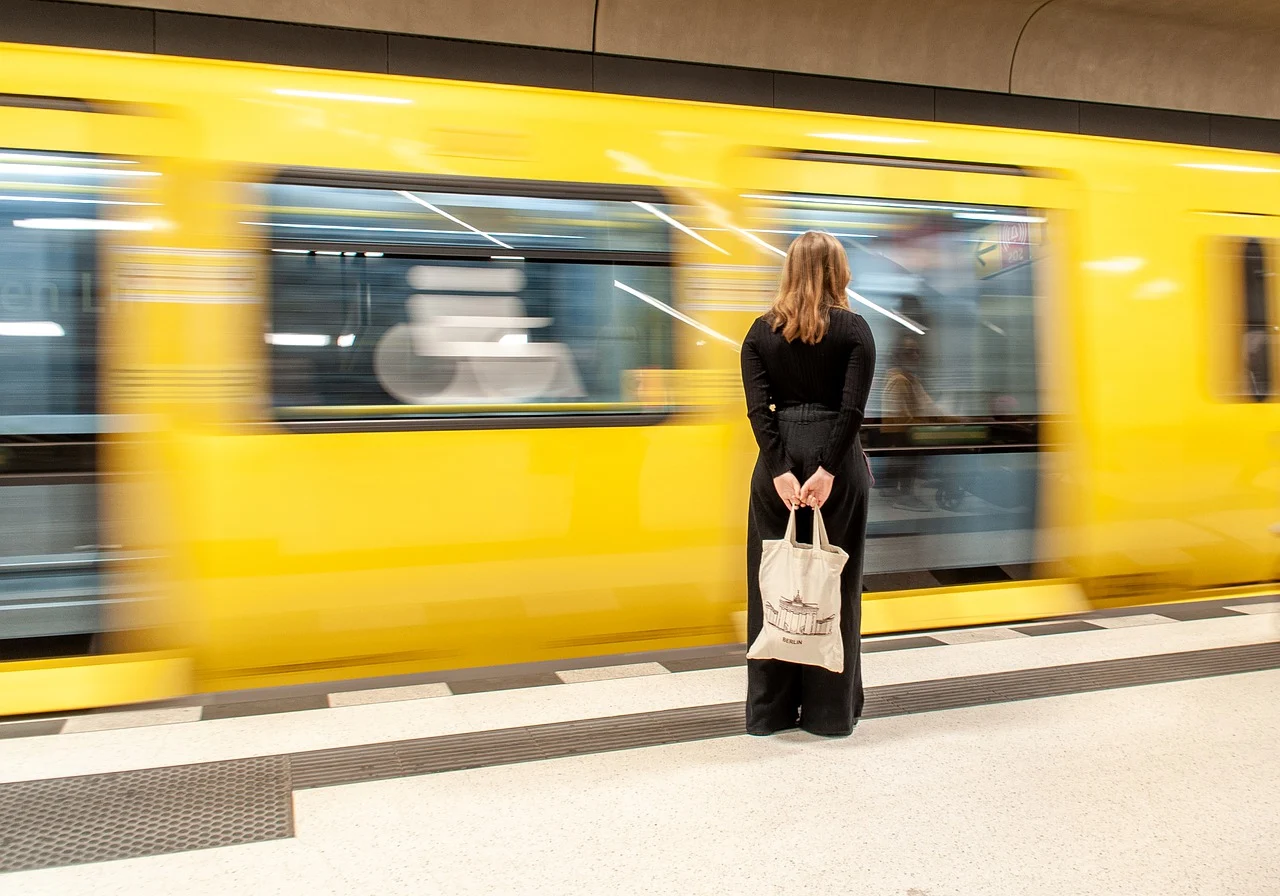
{"x": 310, "y": 375}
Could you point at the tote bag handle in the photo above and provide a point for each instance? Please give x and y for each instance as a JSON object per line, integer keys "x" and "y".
{"x": 820, "y": 540}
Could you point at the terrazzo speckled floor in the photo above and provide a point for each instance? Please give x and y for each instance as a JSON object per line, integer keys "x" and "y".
{"x": 1155, "y": 791}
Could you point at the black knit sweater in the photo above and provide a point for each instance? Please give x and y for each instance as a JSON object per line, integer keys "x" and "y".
{"x": 835, "y": 373}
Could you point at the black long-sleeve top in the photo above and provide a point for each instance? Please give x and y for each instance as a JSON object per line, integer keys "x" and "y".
{"x": 835, "y": 373}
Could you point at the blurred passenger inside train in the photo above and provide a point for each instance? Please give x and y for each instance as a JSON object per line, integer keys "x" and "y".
{"x": 905, "y": 404}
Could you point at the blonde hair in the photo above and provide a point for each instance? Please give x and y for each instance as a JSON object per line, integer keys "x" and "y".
{"x": 815, "y": 275}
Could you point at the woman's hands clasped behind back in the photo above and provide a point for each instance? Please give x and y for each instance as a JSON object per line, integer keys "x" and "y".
{"x": 813, "y": 493}
{"x": 817, "y": 489}
{"x": 788, "y": 487}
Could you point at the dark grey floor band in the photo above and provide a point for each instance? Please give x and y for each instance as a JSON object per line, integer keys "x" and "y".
{"x": 95, "y": 818}
{"x": 908, "y": 643}
{"x": 264, "y": 707}
{"x": 349, "y": 765}
{"x": 1078, "y": 678}
{"x": 324, "y": 768}
{"x": 98, "y": 818}
{"x": 36, "y": 728}
{"x": 1067, "y": 627}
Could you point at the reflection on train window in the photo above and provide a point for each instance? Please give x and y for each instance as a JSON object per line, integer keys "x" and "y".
{"x": 1256, "y": 333}
{"x": 952, "y": 422}
{"x": 393, "y": 303}
{"x": 948, "y": 291}
{"x": 52, "y": 209}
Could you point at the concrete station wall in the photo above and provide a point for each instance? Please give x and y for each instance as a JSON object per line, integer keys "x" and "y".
{"x": 1192, "y": 71}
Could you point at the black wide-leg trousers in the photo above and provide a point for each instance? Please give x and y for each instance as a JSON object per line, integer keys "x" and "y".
{"x": 782, "y": 695}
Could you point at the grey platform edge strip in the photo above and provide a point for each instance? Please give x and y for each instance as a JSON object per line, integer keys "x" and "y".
{"x": 349, "y": 765}
{"x": 98, "y": 818}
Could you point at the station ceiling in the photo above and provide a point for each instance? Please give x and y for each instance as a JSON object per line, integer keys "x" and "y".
{"x": 1199, "y": 55}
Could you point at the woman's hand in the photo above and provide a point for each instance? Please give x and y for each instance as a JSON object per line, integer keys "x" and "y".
{"x": 816, "y": 491}
{"x": 788, "y": 487}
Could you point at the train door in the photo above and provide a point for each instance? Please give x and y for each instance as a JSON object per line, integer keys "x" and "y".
{"x": 1236, "y": 445}
{"x": 955, "y": 268}
{"x": 73, "y": 179}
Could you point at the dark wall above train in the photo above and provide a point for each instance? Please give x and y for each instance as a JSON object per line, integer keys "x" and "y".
{"x": 1190, "y": 71}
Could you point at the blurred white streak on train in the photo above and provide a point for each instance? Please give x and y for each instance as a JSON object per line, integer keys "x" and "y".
{"x": 751, "y": 237}
{"x": 41, "y": 159}
{"x": 81, "y": 224}
{"x": 683, "y": 318}
{"x": 991, "y": 216}
{"x": 31, "y": 328}
{"x": 1236, "y": 169}
{"x": 34, "y": 170}
{"x": 868, "y": 138}
{"x": 308, "y": 340}
{"x": 342, "y": 97}
{"x": 69, "y": 201}
{"x": 1123, "y": 264}
{"x": 663, "y": 216}
{"x": 444, "y": 214}
{"x": 896, "y": 318}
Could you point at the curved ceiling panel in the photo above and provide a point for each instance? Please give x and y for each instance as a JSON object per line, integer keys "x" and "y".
{"x": 1103, "y": 52}
{"x": 566, "y": 24}
{"x": 1200, "y": 55}
{"x": 939, "y": 42}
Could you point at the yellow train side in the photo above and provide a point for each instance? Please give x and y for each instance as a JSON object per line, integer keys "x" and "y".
{"x": 276, "y": 557}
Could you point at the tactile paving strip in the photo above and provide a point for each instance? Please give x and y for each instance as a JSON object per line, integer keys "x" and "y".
{"x": 97, "y": 818}
{"x": 350, "y": 765}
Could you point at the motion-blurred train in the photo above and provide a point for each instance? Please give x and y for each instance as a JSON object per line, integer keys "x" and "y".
{"x": 308, "y": 375}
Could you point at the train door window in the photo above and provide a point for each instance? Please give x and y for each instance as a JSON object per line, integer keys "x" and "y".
{"x": 466, "y": 299}
{"x": 950, "y": 292}
{"x": 53, "y": 207}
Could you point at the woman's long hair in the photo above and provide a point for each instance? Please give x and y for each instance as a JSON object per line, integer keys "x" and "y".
{"x": 815, "y": 275}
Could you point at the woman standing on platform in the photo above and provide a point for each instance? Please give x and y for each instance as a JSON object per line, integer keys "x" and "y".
{"x": 806, "y": 369}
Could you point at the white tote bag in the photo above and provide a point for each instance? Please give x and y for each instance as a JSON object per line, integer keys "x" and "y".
{"x": 800, "y": 588}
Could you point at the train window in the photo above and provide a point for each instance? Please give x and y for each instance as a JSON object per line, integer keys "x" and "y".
{"x": 53, "y": 207}
{"x": 1255, "y": 334}
{"x": 952, "y": 422}
{"x": 948, "y": 291}
{"x": 400, "y": 303}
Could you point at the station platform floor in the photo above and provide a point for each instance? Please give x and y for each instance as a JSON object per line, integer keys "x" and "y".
{"x": 1131, "y": 752}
